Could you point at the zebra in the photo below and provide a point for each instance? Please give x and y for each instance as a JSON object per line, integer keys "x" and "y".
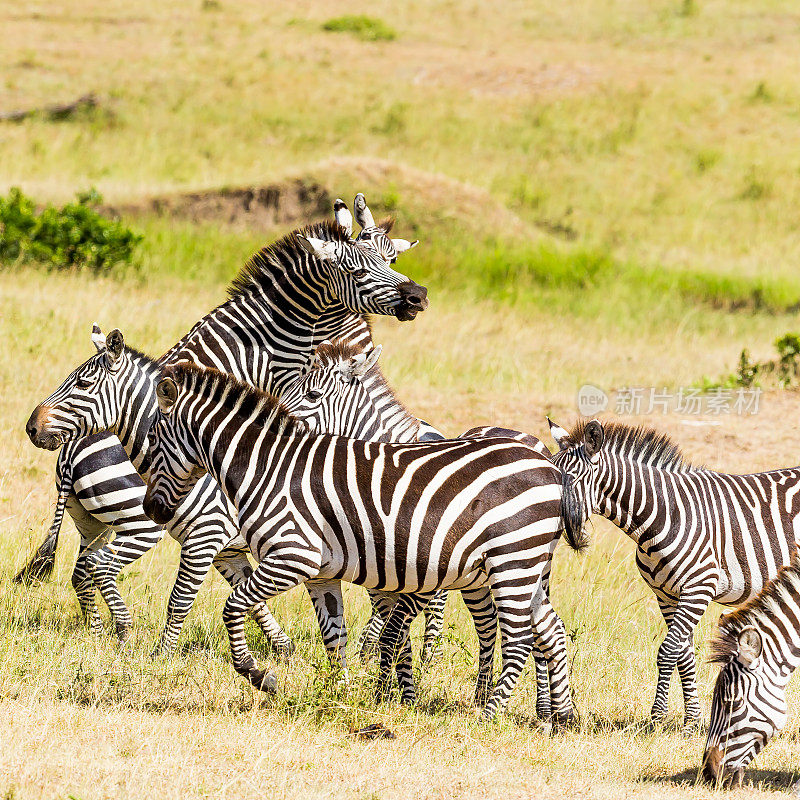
{"x": 758, "y": 649}
{"x": 312, "y": 284}
{"x": 700, "y": 535}
{"x": 401, "y": 519}
{"x": 330, "y": 398}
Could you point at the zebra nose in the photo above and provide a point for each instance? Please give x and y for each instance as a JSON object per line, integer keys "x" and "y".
{"x": 413, "y": 295}
{"x": 31, "y": 427}
{"x": 712, "y": 765}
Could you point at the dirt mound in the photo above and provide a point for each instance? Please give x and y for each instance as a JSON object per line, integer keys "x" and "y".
{"x": 415, "y": 196}
{"x": 287, "y": 202}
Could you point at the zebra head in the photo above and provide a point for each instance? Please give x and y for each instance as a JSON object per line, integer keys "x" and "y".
{"x": 176, "y": 464}
{"x": 376, "y": 236}
{"x": 330, "y": 397}
{"x": 359, "y": 275}
{"x": 579, "y": 462}
{"x": 749, "y": 703}
{"x": 86, "y": 402}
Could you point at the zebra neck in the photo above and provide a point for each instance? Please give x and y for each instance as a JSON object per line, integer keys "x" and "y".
{"x": 394, "y": 423}
{"x": 264, "y": 338}
{"x": 780, "y": 627}
{"x": 638, "y": 513}
{"x": 137, "y": 409}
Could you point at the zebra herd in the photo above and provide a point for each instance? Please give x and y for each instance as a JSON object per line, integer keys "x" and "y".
{"x": 269, "y": 431}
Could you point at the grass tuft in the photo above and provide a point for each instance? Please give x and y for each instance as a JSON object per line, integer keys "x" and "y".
{"x": 368, "y": 29}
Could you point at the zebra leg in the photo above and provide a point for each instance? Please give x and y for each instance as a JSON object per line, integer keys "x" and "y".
{"x": 85, "y": 591}
{"x": 232, "y": 563}
{"x": 278, "y": 572}
{"x": 93, "y": 534}
{"x": 550, "y": 639}
{"x": 681, "y": 617}
{"x": 130, "y": 543}
{"x": 480, "y": 605}
{"x": 195, "y": 563}
{"x": 516, "y": 642}
{"x": 326, "y": 597}
{"x": 368, "y": 641}
{"x": 681, "y": 653}
{"x": 395, "y": 645}
{"x": 434, "y": 625}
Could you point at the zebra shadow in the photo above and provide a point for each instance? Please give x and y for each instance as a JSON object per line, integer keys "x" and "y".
{"x": 763, "y": 779}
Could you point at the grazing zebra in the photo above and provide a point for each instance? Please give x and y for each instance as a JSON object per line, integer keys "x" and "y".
{"x": 700, "y": 535}
{"x": 401, "y": 519}
{"x": 307, "y": 287}
{"x": 330, "y": 398}
{"x": 758, "y": 649}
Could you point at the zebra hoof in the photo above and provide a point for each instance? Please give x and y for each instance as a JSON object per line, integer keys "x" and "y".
{"x": 408, "y": 699}
{"x": 264, "y": 680}
{"x": 692, "y": 727}
{"x": 285, "y": 649}
{"x": 123, "y": 632}
{"x": 565, "y": 721}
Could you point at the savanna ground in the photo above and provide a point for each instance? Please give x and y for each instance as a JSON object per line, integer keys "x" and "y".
{"x": 605, "y": 193}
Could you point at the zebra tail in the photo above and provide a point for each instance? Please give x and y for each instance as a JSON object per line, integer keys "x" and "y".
{"x": 41, "y": 565}
{"x": 575, "y": 532}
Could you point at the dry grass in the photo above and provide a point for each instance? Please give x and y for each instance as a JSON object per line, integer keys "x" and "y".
{"x": 87, "y": 719}
{"x": 661, "y": 133}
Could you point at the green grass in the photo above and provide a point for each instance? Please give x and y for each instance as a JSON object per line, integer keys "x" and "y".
{"x": 366, "y": 28}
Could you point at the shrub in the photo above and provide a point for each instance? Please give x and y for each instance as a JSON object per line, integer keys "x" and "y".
{"x": 367, "y": 28}
{"x": 76, "y": 235}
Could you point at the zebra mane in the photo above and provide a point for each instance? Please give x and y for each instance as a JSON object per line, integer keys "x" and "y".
{"x": 266, "y": 266}
{"x": 765, "y": 606}
{"x": 329, "y": 353}
{"x": 638, "y": 443}
{"x": 233, "y": 395}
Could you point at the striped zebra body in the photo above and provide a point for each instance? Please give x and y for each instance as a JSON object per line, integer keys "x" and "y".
{"x": 758, "y": 649}
{"x": 404, "y": 520}
{"x": 290, "y": 297}
{"x": 114, "y": 392}
{"x": 700, "y": 535}
{"x": 331, "y": 397}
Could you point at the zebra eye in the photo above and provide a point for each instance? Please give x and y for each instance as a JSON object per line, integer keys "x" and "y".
{"x": 83, "y": 383}
{"x": 360, "y": 273}
{"x": 313, "y": 394}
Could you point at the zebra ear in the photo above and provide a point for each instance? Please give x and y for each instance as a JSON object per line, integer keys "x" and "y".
{"x": 114, "y": 345}
{"x": 166, "y": 394}
{"x": 560, "y": 435}
{"x": 343, "y": 216}
{"x": 365, "y": 363}
{"x": 750, "y": 646}
{"x": 403, "y": 245}
{"x": 593, "y": 436}
{"x": 321, "y": 249}
{"x": 363, "y": 215}
{"x": 98, "y": 340}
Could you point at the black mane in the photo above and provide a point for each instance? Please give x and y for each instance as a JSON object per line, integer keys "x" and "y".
{"x": 267, "y": 265}
{"x": 638, "y": 443}
{"x": 249, "y": 401}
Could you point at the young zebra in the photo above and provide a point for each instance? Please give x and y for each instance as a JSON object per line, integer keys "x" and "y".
{"x": 758, "y": 648}
{"x": 303, "y": 289}
{"x": 402, "y": 520}
{"x": 331, "y": 398}
{"x": 700, "y": 535}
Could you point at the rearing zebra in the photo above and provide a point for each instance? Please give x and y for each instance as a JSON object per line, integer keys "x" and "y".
{"x": 405, "y": 520}
{"x": 700, "y": 535}
{"x": 758, "y": 648}
{"x": 303, "y": 289}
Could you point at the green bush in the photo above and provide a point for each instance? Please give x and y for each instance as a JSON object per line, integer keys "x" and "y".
{"x": 73, "y": 236}
{"x": 367, "y": 28}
